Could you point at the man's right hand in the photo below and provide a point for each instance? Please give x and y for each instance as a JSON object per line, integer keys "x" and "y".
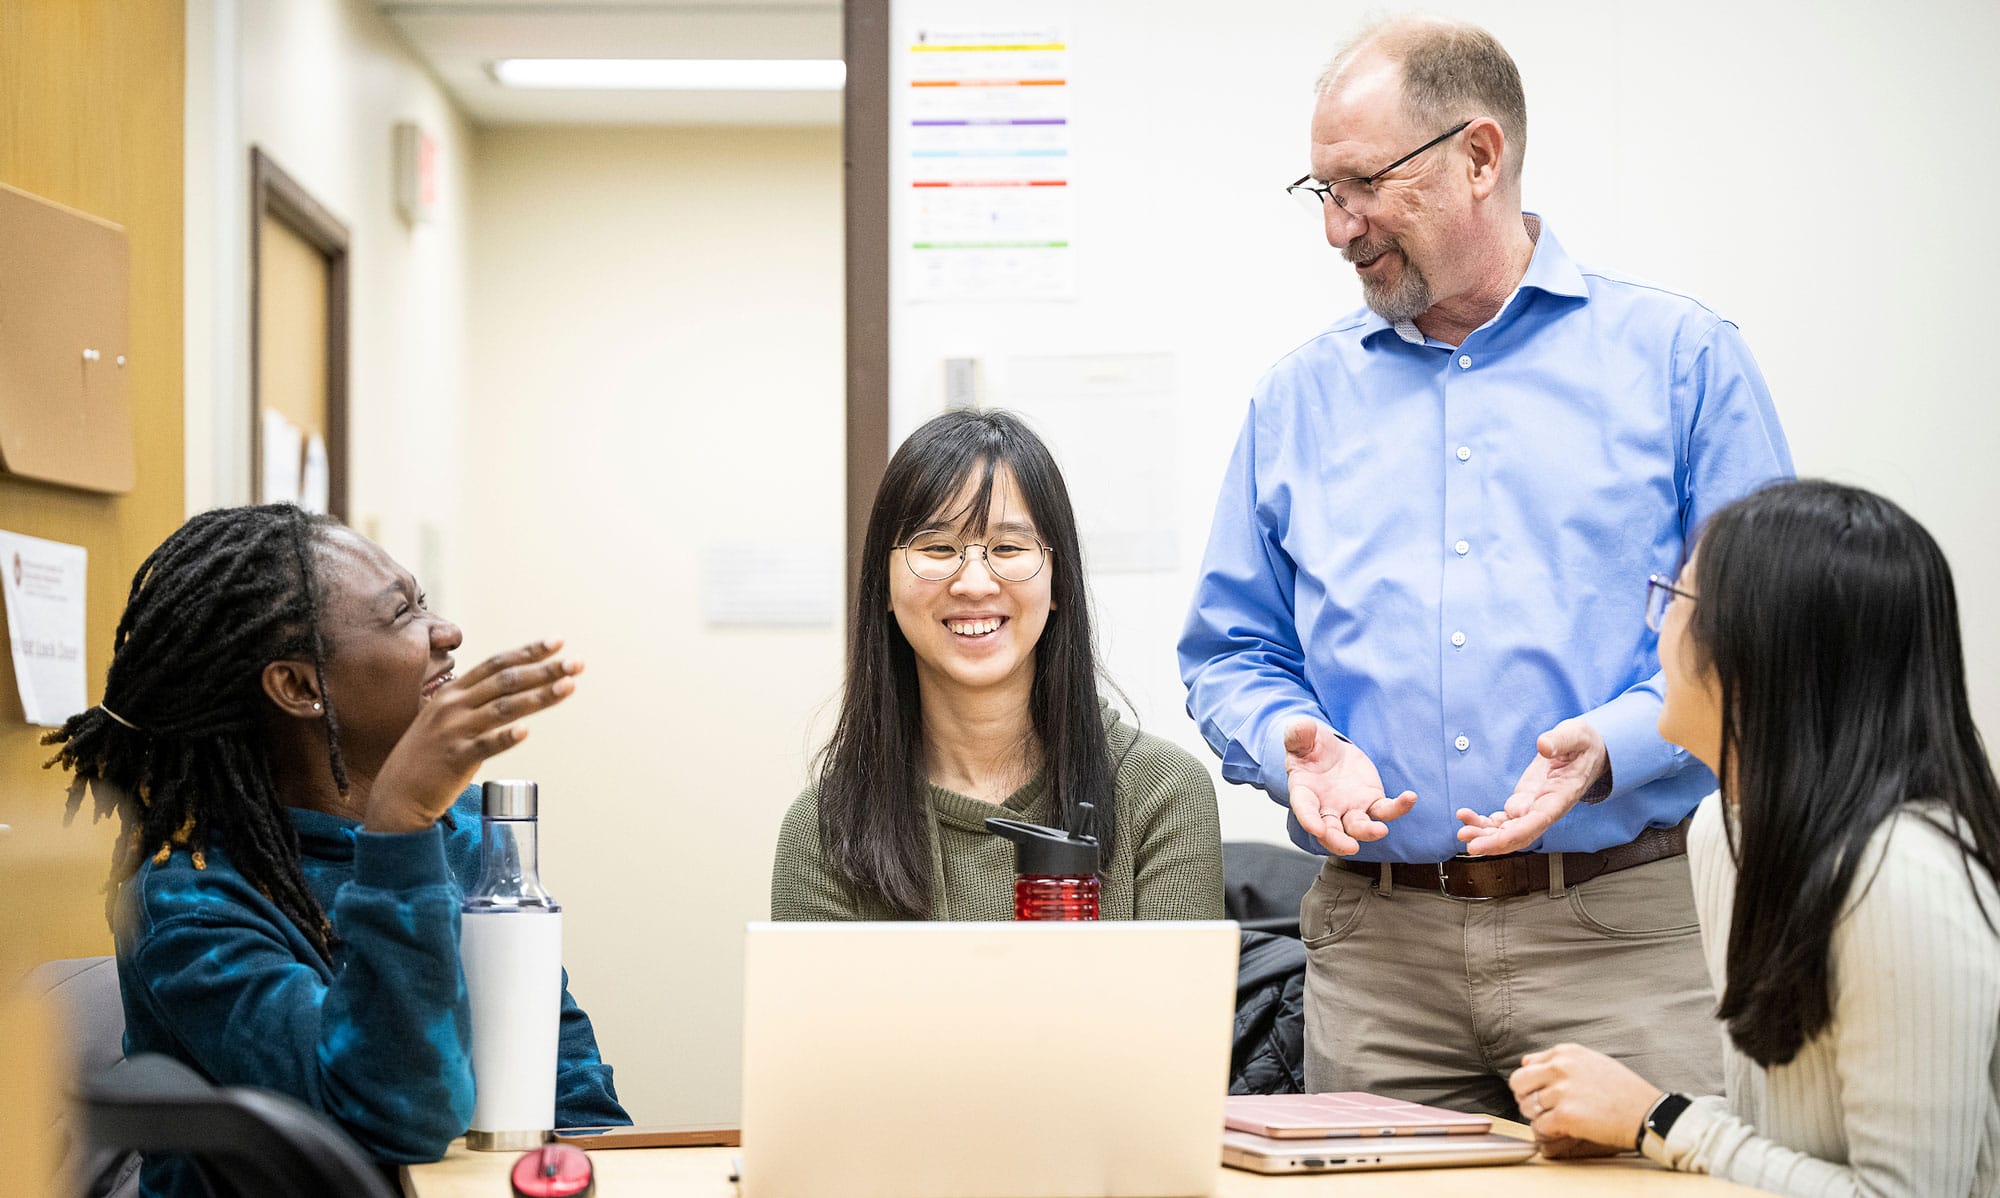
{"x": 1337, "y": 792}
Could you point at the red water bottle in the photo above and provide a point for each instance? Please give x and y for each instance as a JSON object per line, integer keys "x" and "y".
{"x": 1055, "y": 871}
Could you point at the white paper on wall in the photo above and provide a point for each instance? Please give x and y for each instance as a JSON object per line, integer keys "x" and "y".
{"x": 315, "y": 479}
{"x": 284, "y": 458}
{"x": 1109, "y": 419}
{"x": 44, "y": 586}
{"x": 770, "y": 584}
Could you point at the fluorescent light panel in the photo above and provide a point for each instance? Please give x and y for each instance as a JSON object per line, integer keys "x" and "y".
{"x": 674, "y": 74}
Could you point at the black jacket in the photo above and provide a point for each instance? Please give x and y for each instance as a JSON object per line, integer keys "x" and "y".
{"x": 1267, "y": 1052}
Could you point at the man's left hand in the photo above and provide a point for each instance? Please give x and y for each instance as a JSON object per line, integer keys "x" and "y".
{"x": 1570, "y": 763}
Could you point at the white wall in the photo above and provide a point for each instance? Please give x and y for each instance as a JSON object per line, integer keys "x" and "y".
{"x": 319, "y": 85}
{"x": 1815, "y": 172}
{"x": 655, "y": 366}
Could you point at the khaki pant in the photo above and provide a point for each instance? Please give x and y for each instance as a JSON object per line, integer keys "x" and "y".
{"x": 1432, "y": 999}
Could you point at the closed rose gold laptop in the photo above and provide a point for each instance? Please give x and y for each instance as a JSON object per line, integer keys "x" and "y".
{"x": 1343, "y": 1113}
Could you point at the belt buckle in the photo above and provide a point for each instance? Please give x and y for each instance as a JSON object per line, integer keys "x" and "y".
{"x": 1444, "y": 886}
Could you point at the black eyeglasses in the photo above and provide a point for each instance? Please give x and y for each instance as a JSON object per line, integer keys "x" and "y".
{"x": 1356, "y": 195}
{"x": 1660, "y": 594}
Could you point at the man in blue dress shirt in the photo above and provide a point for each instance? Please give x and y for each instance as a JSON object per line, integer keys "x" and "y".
{"x": 1421, "y": 618}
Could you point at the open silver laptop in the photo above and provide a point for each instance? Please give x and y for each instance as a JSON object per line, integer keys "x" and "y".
{"x": 1262, "y": 1154}
{"x": 988, "y": 1060}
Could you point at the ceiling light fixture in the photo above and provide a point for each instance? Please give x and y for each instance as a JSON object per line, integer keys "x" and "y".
{"x": 674, "y": 74}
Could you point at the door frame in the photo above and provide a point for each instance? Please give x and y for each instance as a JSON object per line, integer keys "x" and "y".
{"x": 276, "y": 194}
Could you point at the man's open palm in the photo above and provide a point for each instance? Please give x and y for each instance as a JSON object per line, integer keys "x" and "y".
{"x": 1570, "y": 762}
{"x": 1336, "y": 791}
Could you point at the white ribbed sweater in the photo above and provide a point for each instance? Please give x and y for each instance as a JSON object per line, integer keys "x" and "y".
{"x": 1900, "y": 1094}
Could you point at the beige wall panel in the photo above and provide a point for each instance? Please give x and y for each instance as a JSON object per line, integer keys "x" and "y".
{"x": 90, "y": 117}
{"x": 656, "y": 338}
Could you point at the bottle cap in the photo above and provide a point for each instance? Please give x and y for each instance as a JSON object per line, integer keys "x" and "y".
{"x": 1049, "y": 851}
{"x": 508, "y": 799}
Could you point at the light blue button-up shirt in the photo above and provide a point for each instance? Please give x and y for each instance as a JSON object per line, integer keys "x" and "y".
{"x": 1441, "y": 551}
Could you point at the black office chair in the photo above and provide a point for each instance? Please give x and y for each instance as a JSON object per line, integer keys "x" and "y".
{"x": 1263, "y": 883}
{"x": 246, "y": 1143}
{"x": 84, "y": 994}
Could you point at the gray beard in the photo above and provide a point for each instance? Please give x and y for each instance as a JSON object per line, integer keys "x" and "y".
{"x": 1406, "y": 299}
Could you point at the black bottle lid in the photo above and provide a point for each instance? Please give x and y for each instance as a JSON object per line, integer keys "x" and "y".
{"x": 1040, "y": 850}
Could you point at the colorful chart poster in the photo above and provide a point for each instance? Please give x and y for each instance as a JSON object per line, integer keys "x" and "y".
{"x": 988, "y": 145}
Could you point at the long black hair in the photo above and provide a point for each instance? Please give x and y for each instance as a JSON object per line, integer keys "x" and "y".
{"x": 1830, "y": 621}
{"x": 872, "y": 816}
{"x": 179, "y": 749}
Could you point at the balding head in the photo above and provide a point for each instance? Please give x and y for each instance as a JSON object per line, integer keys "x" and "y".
{"x": 1450, "y": 71}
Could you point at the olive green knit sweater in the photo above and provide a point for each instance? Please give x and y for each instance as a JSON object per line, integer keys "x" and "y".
{"x": 1167, "y": 862}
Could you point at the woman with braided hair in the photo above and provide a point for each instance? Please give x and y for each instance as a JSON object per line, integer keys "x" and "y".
{"x": 291, "y": 755}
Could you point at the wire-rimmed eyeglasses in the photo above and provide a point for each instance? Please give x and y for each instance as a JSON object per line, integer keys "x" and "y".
{"x": 1660, "y": 595}
{"x": 1356, "y": 194}
{"x": 1010, "y": 557}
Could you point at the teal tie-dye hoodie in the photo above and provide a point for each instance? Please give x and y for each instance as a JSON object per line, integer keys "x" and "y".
{"x": 212, "y": 973}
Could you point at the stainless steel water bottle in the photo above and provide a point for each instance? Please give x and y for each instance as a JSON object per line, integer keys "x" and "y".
{"x": 510, "y": 945}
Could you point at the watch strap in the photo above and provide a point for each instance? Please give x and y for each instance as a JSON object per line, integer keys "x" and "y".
{"x": 1661, "y": 1119}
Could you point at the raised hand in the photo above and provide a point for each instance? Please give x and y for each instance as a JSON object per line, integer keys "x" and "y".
{"x": 1336, "y": 791}
{"x": 467, "y": 720}
{"x": 1570, "y": 763}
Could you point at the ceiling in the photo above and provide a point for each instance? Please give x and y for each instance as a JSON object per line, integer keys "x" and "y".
{"x": 459, "y": 38}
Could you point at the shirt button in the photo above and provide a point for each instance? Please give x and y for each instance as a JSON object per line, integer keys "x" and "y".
{"x": 1462, "y": 744}
{"x": 1465, "y": 362}
{"x": 1458, "y": 638}
{"x": 1465, "y": 453}
{"x": 1462, "y": 548}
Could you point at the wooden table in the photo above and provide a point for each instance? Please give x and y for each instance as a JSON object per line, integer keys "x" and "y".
{"x": 704, "y": 1173}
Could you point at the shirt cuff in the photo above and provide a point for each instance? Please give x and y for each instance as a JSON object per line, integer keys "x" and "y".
{"x": 1630, "y": 726}
{"x": 400, "y": 860}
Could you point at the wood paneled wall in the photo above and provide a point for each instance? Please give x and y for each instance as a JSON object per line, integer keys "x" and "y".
{"x": 91, "y": 101}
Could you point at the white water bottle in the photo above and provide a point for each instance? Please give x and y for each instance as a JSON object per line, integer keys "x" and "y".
{"x": 510, "y": 946}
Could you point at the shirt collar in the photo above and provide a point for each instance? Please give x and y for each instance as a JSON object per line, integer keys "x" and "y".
{"x": 1550, "y": 269}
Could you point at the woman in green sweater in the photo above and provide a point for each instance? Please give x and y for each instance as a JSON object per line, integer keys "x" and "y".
{"x": 972, "y": 692}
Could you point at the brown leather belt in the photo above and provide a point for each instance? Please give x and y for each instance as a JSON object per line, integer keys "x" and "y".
{"x": 1516, "y": 874}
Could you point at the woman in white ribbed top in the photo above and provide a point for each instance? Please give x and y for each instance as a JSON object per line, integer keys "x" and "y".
{"x": 1843, "y": 874}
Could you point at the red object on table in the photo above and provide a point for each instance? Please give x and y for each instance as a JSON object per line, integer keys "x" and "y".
{"x": 553, "y": 1171}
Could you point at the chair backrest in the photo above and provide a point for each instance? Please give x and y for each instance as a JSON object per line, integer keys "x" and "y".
{"x": 84, "y": 992}
{"x": 1263, "y": 883}
{"x": 245, "y": 1141}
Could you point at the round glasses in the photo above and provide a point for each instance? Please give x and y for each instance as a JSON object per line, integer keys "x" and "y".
{"x": 1010, "y": 557}
{"x": 1660, "y": 595}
